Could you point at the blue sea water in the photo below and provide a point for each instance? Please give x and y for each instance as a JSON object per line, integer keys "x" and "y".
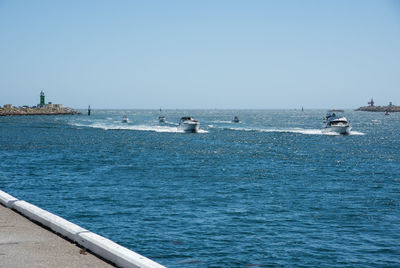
{"x": 270, "y": 191}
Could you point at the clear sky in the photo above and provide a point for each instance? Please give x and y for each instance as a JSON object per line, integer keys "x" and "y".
{"x": 200, "y": 54}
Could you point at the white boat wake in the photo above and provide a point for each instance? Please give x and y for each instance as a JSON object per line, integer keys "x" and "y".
{"x": 294, "y": 130}
{"x": 154, "y": 128}
{"x": 221, "y": 121}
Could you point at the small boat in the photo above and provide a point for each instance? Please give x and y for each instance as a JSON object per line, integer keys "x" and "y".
{"x": 188, "y": 124}
{"x": 161, "y": 119}
{"x": 125, "y": 119}
{"x": 236, "y": 119}
{"x": 336, "y": 122}
{"x": 386, "y": 113}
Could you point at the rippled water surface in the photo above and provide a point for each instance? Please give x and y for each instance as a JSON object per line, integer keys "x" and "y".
{"x": 272, "y": 190}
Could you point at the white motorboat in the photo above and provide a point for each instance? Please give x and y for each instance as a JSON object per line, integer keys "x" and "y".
{"x": 236, "y": 119}
{"x": 188, "y": 124}
{"x": 161, "y": 119}
{"x": 125, "y": 119}
{"x": 336, "y": 122}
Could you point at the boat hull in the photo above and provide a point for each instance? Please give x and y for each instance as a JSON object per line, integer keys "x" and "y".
{"x": 344, "y": 130}
{"x": 189, "y": 127}
{"x": 161, "y": 119}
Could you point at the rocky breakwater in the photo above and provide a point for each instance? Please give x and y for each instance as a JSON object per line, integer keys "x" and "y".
{"x": 389, "y": 108}
{"x": 46, "y": 110}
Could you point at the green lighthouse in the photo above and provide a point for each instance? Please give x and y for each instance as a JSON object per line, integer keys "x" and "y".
{"x": 42, "y": 102}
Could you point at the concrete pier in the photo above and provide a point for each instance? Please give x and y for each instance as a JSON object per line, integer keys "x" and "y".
{"x": 26, "y": 244}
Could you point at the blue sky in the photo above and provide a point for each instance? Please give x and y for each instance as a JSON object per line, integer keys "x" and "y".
{"x": 200, "y": 54}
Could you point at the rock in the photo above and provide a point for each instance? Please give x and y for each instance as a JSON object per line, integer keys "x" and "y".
{"x": 390, "y": 109}
{"x": 37, "y": 111}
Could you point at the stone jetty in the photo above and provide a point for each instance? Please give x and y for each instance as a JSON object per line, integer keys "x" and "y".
{"x": 372, "y": 108}
{"x": 390, "y": 109}
{"x": 49, "y": 109}
{"x": 41, "y": 109}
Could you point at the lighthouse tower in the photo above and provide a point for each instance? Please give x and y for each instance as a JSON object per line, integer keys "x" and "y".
{"x": 371, "y": 103}
{"x": 42, "y": 102}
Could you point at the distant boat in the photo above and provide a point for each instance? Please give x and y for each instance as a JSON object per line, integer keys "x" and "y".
{"x": 161, "y": 118}
{"x": 236, "y": 119}
{"x": 386, "y": 113}
{"x": 188, "y": 124}
{"x": 125, "y": 119}
{"x": 336, "y": 122}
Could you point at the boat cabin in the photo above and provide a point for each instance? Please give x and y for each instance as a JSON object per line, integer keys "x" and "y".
{"x": 337, "y": 122}
{"x": 187, "y": 118}
{"x": 334, "y": 114}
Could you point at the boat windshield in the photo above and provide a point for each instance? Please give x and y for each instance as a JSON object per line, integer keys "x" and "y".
{"x": 333, "y": 115}
{"x": 338, "y": 122}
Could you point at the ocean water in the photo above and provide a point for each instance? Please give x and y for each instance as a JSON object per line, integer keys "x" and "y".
{"x": 270, "y": 191}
